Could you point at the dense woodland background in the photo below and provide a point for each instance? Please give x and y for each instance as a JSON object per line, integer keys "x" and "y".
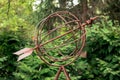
{"x": 18, "y": 20}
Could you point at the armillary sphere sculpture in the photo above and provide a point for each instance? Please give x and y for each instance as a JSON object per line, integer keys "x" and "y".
{"x": 59, "y": 41}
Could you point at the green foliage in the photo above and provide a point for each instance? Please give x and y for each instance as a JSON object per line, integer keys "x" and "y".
{"x": 14, "y": 34}
{"x": 32, "y": 68}
{"x": 103, "y": 59}
{"x": 113, "y": 10}
{"x": 103, "y": 46}
{"x": 8, "y": 45}
{"x": 45, "y": 8}
{"x": 103, "y": 52}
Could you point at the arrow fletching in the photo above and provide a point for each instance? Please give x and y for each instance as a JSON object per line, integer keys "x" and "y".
{"x": 23, "y": 53}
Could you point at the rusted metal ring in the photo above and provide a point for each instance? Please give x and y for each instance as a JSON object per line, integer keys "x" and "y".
{"x": 74, "y": 34}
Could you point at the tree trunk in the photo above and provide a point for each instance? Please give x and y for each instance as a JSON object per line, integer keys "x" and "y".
{"x": 84, "y": 10}
{"x": 63, "y": 4}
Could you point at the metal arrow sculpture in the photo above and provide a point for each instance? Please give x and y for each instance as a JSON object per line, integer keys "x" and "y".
{"x": 59, "y": 41}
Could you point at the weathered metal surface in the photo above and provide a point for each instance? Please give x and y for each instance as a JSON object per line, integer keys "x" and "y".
{"x": 76, "y": 36}
{"x": 58, "y": 33}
